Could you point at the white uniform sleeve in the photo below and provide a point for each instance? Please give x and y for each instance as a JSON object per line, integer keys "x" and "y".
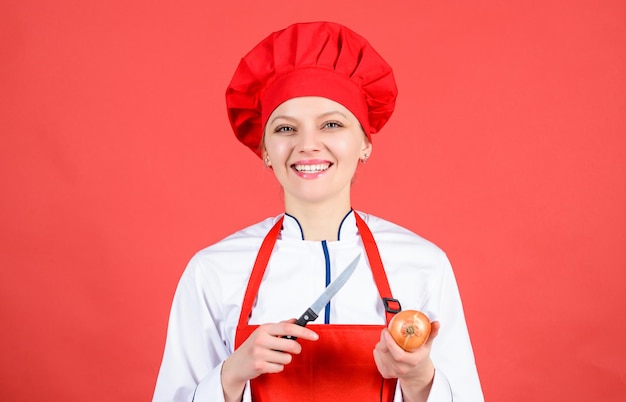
{"x": 194, "y": 350}
{"x": 456, "y": 377}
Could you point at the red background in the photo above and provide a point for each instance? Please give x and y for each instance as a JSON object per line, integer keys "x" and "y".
{"x": 117, "y": 163}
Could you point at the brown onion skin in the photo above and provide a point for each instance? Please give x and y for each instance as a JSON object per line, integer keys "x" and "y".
{"x": 410, "y": 329}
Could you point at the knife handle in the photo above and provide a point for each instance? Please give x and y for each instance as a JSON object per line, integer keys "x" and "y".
{"x": 308, "y": 316}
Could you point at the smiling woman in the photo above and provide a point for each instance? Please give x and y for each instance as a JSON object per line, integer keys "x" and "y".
{"x": 306, "y": 100}
{"x": 313, "y": 144}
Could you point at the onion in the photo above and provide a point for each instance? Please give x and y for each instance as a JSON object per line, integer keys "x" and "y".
{"x": 410, "y": 329}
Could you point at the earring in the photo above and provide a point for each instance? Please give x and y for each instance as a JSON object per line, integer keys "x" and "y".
{"x": 266, "y": 161}
{"x": 365, "y": 158}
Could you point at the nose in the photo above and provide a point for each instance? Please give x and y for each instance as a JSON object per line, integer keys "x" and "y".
{"x": 309, "y": 140}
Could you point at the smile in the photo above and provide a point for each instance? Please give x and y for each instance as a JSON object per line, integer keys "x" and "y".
{"x": 316, "y": 168}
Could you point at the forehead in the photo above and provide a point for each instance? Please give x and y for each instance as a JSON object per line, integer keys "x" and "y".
{"x": 309, "y": 106}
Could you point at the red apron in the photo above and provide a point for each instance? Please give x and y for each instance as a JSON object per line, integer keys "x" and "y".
{"x": 340, "y": 365}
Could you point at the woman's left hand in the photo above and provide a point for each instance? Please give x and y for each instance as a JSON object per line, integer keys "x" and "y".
{"x": 414, "y": 370}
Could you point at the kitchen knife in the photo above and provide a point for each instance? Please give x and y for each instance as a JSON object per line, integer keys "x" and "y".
{"x": 312, "y": 312}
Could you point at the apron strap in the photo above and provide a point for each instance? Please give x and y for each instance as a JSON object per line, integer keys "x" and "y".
{"x": 256, "y": 276}
{"x": 392, "y": 306}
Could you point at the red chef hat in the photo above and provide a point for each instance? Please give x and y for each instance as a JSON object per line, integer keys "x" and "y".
{"x": 310, "y": 59}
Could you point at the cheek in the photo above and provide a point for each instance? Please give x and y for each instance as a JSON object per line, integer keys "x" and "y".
{"x": 349, "y": 150}
{"x": 278, "y": 151}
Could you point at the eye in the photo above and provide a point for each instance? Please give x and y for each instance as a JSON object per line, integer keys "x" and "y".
{"x": 284, "y": 129}
{"x": 333, "y": 124}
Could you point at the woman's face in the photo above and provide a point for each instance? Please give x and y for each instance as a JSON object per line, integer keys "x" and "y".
{"x": 314, "y": 144}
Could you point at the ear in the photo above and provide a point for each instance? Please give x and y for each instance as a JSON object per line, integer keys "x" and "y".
{"x": 366, "y": 149}
{"x": 266, "y": 159}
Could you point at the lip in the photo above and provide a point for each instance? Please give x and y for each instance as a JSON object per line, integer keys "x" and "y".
{"x": 311, "y": 168}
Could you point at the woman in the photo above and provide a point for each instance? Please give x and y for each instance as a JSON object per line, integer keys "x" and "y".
{"x": 307, "y": 100}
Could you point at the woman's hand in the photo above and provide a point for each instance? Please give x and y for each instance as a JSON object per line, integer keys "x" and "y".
{"x": 265, "y": 351}
{"x": 414, "y": 370}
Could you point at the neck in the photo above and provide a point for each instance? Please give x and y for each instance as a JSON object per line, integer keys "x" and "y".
{"x": 319, "y": 221}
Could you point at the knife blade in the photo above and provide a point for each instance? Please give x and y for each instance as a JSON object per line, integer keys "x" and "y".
{"x": 331, "y": 290}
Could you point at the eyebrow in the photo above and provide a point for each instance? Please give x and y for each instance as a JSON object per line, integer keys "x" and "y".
{"x": 321, "y": 116}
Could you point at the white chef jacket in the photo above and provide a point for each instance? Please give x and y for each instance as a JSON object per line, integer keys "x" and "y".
{"x": 209, "y": 296}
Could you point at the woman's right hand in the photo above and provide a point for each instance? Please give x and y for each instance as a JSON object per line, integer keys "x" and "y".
{"x": 265, "y": 351}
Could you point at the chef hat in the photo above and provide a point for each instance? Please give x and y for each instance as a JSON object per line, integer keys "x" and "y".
{"x": 309, "y": 59}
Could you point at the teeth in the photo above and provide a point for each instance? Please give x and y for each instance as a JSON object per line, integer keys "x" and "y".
{"x": 312, "y": 168}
